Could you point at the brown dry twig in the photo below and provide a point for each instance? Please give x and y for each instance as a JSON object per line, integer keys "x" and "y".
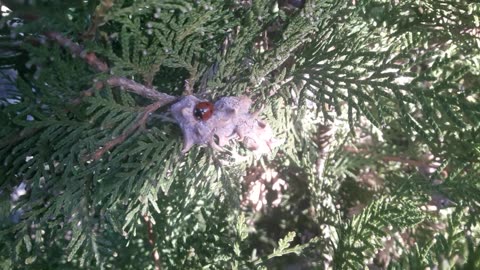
{"x": 140, "y": 89}
{"x": 151, "y": 241}
{"x": 78, "y": 51}
{"x": 88, "y": 93}
{"x": 139, "y": 123}
{"x": 98, "y": 18}
{"x": 324, "y": 142}
{"x": 101, "y": 66}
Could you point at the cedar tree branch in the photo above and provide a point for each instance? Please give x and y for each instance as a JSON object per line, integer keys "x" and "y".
{"x": 101, "y": 66}
{"x": 78, "y": 51}
{"x": 137, "y": 124}
{"x": 140, "y": 89}
{"x": 161, "y": 99}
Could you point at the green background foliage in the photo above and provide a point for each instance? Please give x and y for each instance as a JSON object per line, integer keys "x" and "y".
{"x": 376, "y": 102}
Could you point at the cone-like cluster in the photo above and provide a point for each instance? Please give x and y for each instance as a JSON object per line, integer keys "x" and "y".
{"x": 231, "y": 120}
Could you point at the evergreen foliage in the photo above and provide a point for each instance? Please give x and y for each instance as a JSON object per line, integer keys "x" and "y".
{"x": 377, "y": 103}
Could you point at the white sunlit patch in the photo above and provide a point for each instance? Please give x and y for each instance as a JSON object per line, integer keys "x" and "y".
{"x": 18, "y": 192}
{"x": 5, "y": 10}
{"x": 260, "y": 184}
{"x": 402, "y": 80}
{"x": 390, "y": 70}
{"x": 13, "y": 100}
{"x": 28, "y": 158}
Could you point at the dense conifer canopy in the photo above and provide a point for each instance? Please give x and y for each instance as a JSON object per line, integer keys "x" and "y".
{"x": 376, "y": 104}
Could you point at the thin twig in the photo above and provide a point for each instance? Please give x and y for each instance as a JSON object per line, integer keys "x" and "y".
{"x": 151, "y": 241}
{"x": 140, "y": 89}
{"x": 88, "y": 93}
{"x": 98, "y": 18}
{"x": 78, "y": 51}
{"x": 99, "y": 65}
{"x": 150, "y": 75}
{"x": 161, "y": 99}
{"x": 138, "y": 123}
{"x": 324, "y": 141}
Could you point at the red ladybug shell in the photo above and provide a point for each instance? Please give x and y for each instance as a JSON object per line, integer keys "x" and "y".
{"x": 203, "y": 110}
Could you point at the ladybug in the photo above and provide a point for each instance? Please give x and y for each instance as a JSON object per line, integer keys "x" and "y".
{"x": 203, "y": 110}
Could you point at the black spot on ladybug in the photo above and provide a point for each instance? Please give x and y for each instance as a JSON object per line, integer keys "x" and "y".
{"x": 203, "y": 110}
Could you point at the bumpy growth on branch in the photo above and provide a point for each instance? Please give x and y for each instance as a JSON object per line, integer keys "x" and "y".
{"x": 231, "y": 119}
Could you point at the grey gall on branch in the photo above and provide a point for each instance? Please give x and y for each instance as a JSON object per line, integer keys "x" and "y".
{"x": 230, "y": 120}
